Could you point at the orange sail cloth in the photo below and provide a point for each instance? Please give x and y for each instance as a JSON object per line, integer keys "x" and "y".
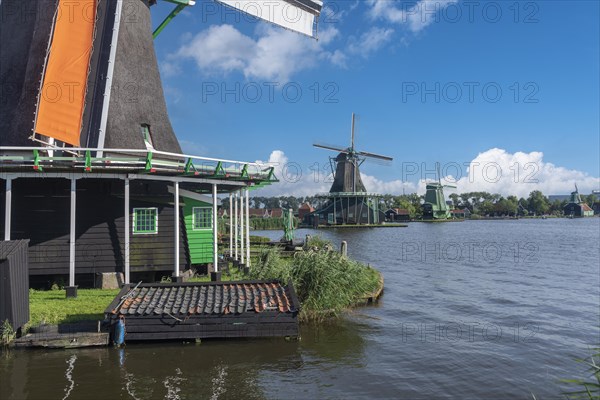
{"x": 62, "y": 101}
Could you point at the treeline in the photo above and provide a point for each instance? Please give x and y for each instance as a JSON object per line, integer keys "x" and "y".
{"x": 285, "y": 202}
{"x": 484, "y": 204}
{"x": 487, "y": 204}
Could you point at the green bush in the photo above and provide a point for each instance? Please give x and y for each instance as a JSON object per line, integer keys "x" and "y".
{"x": 325, "y": 281}
{"x": 7, "y": 333}
{"x": 318, "y": 242}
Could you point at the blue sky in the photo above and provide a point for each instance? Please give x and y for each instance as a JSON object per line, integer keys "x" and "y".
{"x": 375, "y": 60}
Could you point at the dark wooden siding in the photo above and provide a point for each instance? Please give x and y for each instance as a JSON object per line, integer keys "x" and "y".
{"x": 14, "y": 283}
{"x": 41, "y": 214}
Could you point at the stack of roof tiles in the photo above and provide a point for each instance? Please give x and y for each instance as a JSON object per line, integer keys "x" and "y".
{"x": 205, "y": 299}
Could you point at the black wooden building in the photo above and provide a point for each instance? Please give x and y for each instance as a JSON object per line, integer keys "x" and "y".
{"x": 92, "y": 178}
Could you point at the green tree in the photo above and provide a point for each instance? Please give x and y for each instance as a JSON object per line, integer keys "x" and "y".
{"x": 538, "y": 203}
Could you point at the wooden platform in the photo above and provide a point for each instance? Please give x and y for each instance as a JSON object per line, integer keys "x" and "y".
{"x": 206, "y": 310}
{"x": 64, "y": 336}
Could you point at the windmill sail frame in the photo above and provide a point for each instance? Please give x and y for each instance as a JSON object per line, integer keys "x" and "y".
{"x": 303, "y": 19}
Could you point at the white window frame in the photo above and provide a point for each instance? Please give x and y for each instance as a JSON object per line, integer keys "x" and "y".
{"x": 194, "y": 219}
{"x": 134, "y": 224}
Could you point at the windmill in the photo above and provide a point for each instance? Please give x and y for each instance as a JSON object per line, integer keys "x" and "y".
{"x": 348, "y": 199}
{"x": 80, "y": 95}
{"x": 92, "y": 80}
{"x": 435, "y": 206}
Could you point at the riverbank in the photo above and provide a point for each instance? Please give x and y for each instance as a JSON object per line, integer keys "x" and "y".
{"x": 327, "y": 284}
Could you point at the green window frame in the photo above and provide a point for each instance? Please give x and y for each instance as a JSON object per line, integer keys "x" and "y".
{"x": 145, "y": 221}
{"x": 202, "y": 218}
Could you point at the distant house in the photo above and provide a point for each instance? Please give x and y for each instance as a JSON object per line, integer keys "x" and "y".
{"x": 304, "y": 210}
{"x": 576, "y": 207}
{"x": 397, "y": 214}
{"x": 461, "y": 214}
{"x": 596, "y": 207}
{"x": 266, "y": 213}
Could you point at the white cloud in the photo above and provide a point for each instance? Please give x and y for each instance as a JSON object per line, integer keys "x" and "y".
{"x": 416, "y": 16}
{"x": 301, "y": 180}
{"x": 276, "y": 54}
{"x": 493, "y": 171}
{"x": 370, "y": 41}
{"x": 294, "y": 179}
{"x": 498, "y": 171}
{"x": 397, "y": 186}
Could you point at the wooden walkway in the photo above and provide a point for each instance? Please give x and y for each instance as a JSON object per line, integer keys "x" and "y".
{"x": 64, "y": 336}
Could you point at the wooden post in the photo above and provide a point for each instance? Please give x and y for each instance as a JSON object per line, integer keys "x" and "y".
{"x": 235, "y": 225}
{"x": 247, "y": 228}
{"x": 72, "y": 289}
{"x": 177, "y": 229}
{"x": 242, "y": 256}
{"x": 8, "y": 209}
{"x": 215, "y": 229}
{"x": 334, "y": 211}
{"x": 230, "y": 225}
{"x": 344, "y": 248}
{"x": 127, "y": 231}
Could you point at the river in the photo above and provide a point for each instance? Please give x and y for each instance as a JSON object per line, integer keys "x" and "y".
{"x": 471, "y": 310}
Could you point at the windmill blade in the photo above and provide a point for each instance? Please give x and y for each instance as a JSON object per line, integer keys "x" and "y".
{"x": 450, "y": 186}
{"x": 373, "y": 155}
{"x": 332, "y": 148}
{"x": 297, "y": 15}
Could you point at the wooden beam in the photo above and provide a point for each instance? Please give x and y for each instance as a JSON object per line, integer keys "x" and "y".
{"x": 247, "y": 227}
{"x": 127, "y": 231}
{"x": 235, "y": 225}
{"x": 230, "y": 225}
{"x": 215, "y": 229}
{"x": 177, "y": 229}
{"x": 8, "y": 209}
{"x": 72, "y": 232}
{"x": 243, "y": 255}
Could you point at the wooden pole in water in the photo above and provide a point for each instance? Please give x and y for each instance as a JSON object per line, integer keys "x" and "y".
{"x": 344, "y": 248}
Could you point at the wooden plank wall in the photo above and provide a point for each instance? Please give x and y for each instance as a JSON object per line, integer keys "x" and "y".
{"x": 14, "y": 283}
{"x": 41, "y": 214}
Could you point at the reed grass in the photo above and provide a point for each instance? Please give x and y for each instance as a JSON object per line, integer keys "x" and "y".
{"x": 326, "y": 282}
{"x": 588, "y": 388}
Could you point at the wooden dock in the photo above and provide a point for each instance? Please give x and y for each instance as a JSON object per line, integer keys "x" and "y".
{"x": 64, "y": 336}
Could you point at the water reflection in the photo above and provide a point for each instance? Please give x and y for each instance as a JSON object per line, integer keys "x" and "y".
{"x": 69, "y": 376}
{"x": 250, "y": 369}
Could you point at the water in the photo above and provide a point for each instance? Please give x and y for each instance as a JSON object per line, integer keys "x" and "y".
{"x": 475, "y": 309}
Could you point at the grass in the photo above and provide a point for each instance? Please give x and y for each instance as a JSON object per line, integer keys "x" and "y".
{"x": 325, "y": 281}
{"x": 52, "y": 306}
{"x": 587, "y": 388}
{"x": 233, "y": 275}
{"x": 7, "y": 333}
